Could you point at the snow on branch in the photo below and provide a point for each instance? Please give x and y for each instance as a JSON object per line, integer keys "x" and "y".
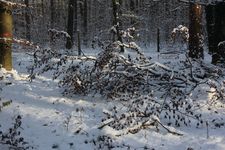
{"x": 58, "y": 33}
{"x": 202, "y": 2}
{"x": 25, "y": 42}
{"x": 134, "y": 79}
{"x": 12, "y": 4}
{"x": 181, "y": 30}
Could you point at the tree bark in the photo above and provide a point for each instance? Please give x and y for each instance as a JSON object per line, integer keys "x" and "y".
{"x": 85, "y": 22}
{"x": 211, "y": 22}
{"x": 75, "y": 24}
{"x": 116, "y": 21}
{"x": 78, "y": 43}
{"x": 52, "y": 7}
{"x": 70, "y": 22}
{"x": 27, "y": 19}
{"x": 215, "y": 16}
{"x": 195, "y": 31}
{"x": 6, "y": 24}
{"x": 158, "y": 40}
{"x": 132, "y": 10}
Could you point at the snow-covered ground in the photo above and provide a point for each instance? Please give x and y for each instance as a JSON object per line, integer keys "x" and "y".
{"x": 52, "y": 121}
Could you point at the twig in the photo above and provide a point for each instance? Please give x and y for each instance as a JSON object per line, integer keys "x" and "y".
{"x": 105, "y": 123}
{"x": 135, "y": 129}
{"x": 207, "y": 127}
{"x": 168, "y": 130}
{"x": 11, "y": 146}
{"x": 190, "y": 65}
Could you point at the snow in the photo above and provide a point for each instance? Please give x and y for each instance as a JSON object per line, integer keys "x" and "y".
{"x": 11, "y": 4}
{"x": 222, "y": 43}
{"x": 183, "y": 31}
{"x": 54, "y": 31}
{"x": 52, "y": 121}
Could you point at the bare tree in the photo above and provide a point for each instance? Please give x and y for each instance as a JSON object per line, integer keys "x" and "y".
{"x": 215, "y": 16}
{"x": 72, "y": 7}
{"x": 195, "y": 31}
{"x": 116, "y": 20}
{"x": 27, "y": 19}
{"x": 85, "y": 21}
{"x": 52, "y": 18}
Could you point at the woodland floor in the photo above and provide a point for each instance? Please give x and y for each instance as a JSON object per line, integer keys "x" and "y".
{"x": 52, "y": 121}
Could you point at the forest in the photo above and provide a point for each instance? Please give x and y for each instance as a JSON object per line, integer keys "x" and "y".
{"x": 112, "y": 74}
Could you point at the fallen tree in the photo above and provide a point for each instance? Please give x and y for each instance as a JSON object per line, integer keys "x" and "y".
{"x": 152, "y": 94}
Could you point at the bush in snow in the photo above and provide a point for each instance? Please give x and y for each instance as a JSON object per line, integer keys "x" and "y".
{"x": 182, "y": 31}
{"x": 12, "y": 137}
{"x": 219, "y": 56}
{"x": 2, "y": 76}
{"x": 153, "y": 94}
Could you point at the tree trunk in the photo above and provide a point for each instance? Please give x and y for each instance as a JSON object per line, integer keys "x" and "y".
{"x": 85, "y": 22}
{"x": 195, "y": 31}
{"x": 215, "y": 16}
{"x": 52, "y": 7}
{"x": 27, "y": 19}
{"x": 78, "y": 43}
{"x": 75, "y": 25}
{"x": 116, "y": 22}
{"x": 70, "y": 22}
{"x": 211, "y": 22}
{"x": 6, "y": 24}
{"x": 158, "y": 40}
{"x": 132, "y": 10}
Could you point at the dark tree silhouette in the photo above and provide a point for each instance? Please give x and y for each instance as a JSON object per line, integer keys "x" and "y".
{"x": 72, "y": 7}
{"x": 195, "y": 31}
{"x": 27, "y": 19}
{"x": 215, "y": 16}
{"x": 116, "y": 4}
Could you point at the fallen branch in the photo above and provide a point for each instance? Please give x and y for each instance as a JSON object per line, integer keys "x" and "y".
{"x": 168, "y": 130}
{"x": 105, "y": 123}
